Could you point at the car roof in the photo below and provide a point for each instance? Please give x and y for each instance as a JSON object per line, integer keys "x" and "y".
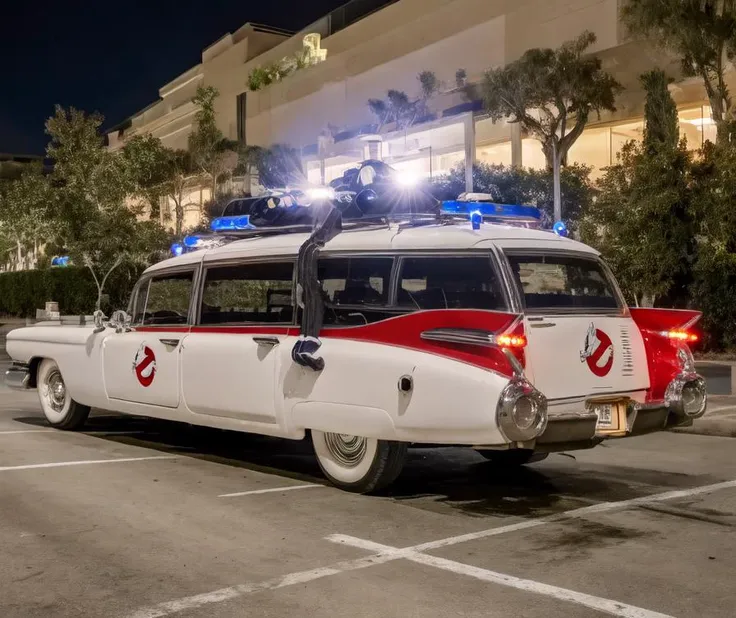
{"x": 455, "y": 236}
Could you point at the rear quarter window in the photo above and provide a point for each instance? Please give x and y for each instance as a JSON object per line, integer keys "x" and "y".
{"x": 561, "y": 282}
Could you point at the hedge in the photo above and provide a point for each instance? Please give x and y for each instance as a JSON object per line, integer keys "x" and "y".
{"x": 21, "y": 293}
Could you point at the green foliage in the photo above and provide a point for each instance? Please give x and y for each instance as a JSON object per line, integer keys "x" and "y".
{"x": 261, "y": 77}
{"x": 25, "y": 211}
{"x": 147, "y": 161}
{"x": 714, "y": 287}
{"x": 398, "y": 108}
{"x": 703, "y": 34}
{"x": 21, "y": 293}
{"x": 461, "y": 77}
{"x": 509, "y": 185}
{"x": 661, "y": 125}
{"x": 564, "y": 84}
{"x": 210, "y": 152}
{"x": 277, "y": 166}
{"x": 642, "y": 219}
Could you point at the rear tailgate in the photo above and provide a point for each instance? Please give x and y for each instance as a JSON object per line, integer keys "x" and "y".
{"x": 581, "y": 340}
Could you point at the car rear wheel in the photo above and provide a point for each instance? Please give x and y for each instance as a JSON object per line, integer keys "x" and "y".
{"x": 60, "y": 410}
{"x": 513, "y": 458}
{"x": 360, "y": 465}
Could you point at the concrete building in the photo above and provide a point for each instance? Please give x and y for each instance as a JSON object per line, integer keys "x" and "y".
{"x": 367, "y": 47}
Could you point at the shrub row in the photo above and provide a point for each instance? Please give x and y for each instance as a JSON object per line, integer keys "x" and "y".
{"x": 21, "y": 293}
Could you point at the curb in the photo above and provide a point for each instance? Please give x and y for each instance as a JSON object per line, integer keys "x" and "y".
{"x": 709, "y": 427}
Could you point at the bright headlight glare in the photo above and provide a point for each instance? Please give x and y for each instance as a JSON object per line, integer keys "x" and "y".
{"x": 321, "y": 193}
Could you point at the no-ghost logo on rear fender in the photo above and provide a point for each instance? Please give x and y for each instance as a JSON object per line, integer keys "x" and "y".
{"x": 597, "y": 352}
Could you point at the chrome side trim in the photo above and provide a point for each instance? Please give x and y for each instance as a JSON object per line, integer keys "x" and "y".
{"x": 468, "y": 336}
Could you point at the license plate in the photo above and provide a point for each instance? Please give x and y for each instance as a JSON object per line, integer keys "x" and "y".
{"x": 605, "y": 415}
{"x": 611, "y": 415}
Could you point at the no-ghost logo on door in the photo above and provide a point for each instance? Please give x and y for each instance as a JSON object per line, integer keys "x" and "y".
{"x": 144, "y": 365}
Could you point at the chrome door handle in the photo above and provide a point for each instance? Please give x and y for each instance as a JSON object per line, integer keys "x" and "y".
{"x": 543, "y": 324}
{"x": 266, "y": 340}
{"x": 170, "y": 342}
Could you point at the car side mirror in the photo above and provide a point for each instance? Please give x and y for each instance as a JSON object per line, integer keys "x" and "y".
{"x": 99, "y": 318}
{"x": 120, "y": 321}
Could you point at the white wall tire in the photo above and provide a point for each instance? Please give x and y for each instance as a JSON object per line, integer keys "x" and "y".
{"x": 58, "y": 407}
{"x": 513, "y": 458}
{"x": 360, "y": 465}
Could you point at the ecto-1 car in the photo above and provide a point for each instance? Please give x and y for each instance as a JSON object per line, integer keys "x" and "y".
{"x": 513, "y": 341}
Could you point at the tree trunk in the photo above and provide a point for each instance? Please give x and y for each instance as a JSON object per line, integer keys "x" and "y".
{"x": 557, "y": 191}
{"x": 19, "y": 265}
{"x": 647, "y": 300}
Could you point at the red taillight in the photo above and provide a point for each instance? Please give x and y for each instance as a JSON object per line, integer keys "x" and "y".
{"x": 511, "y": 341}
{"x": 681, "y": 335}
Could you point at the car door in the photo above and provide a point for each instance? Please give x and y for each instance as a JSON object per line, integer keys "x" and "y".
{"x": 233, "y": 355}
{"x": 143, "y": 364}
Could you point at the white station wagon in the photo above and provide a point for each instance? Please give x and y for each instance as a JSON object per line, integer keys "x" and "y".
{"x": 515, "y": 342}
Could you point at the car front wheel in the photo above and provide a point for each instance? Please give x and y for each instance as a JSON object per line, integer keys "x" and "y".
{"x": 360, "y": 465}
{"x": 60, "y": 410}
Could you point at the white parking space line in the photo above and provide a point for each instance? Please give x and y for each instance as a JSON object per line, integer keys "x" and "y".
{"x": 14, "y": 431}
{"x": 267, "y": 491}
{"x": 391, "y": 553}
{"x": 601, "y": 604}
{"x": 581, "y": 512}
{"x": 84, "y": 462}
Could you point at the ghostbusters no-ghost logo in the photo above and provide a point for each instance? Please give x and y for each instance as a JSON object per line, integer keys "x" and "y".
{"x": 598, "y": 352}
{"x": 144, "y": 365}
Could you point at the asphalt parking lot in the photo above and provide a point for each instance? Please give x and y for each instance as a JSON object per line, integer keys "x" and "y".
{"x": 138, "y": 518}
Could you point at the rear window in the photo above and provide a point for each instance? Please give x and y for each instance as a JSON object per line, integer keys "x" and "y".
{"x": 563, "y": 282}
{"x": 440, "y": 282}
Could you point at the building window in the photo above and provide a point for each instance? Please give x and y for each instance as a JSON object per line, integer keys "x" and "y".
{"x": 697, "y": 126}
{"x": 494, "y": 154}
{"x": 532, "y": 155}
{"x": 241, "y": 115}
{"x": 621, "y": 134}
{"x": 592, "y": 148}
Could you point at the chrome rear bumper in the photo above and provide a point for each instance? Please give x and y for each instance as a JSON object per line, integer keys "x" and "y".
{"x": 18, "y": 377}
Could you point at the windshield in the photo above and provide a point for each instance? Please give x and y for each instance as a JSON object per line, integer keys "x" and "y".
{"x": 563, "y": 282}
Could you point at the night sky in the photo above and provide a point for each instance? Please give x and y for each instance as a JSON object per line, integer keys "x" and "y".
{"x": 112, "y": 56}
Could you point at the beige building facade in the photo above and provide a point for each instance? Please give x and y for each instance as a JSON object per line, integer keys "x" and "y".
{"x": 367, "y": 47}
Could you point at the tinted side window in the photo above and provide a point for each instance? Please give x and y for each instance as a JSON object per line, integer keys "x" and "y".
{"x": 444, "y": 282}
{"x": 356, "y": 289}
{"x": 248, "y": 293}
{"x": 563, "y": 282}
{"x": 166, "y": 300}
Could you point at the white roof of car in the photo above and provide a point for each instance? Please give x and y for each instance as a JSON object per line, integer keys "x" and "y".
{"x": 390, "y": 238}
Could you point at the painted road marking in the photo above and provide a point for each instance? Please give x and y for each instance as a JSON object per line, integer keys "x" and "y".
{"x": 5, "y": 433}
{"x": 601, "y": 604}
{"x": 225, "y": 594}
{"x": 267, "y": 491}
{"x": 84, "y": 462}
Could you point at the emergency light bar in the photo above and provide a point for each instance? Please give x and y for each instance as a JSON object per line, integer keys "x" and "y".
{"x": 500, "y": 213}
{"x": 229, "y": 224}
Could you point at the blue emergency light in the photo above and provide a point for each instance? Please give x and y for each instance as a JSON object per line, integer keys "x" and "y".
{"x": 60, "y": 261}
{"x": 177, "y": 249}
{"x": 560, "y": 228}
{"x": 230, "y": 224}
{"x": 192, "y": 242}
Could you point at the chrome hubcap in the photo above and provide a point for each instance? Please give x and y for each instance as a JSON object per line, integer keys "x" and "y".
{"x": 55, "y": 391}
{"x": 347, "y": 450}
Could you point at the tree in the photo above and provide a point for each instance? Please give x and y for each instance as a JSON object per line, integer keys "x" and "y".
{"x": 147, "y": 163}
{"x": 278, "y": 166}
{"x": 510, "y": 185}
{"x": 703, "y": 34}
{"x": 111, "y": 238}
{"x": 86, "y": 177}
{"x": 551, "y": 94}
{"x": 642, "y": 220}
{"x": 211, "y": 153}
{"x": 25, "y": 211}
{"x": 181, "y": 178}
